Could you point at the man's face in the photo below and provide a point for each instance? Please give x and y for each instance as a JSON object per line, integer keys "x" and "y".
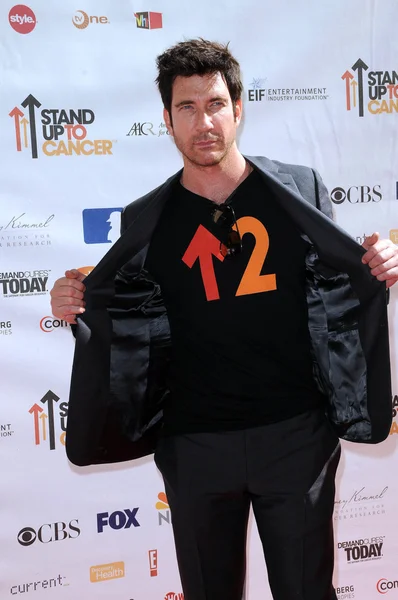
{"x": 204, "y": 123}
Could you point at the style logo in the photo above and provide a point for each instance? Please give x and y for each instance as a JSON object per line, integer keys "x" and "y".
{"x": 394, "y": 235}
{"x": 149, "y": 20}
{"x": 101, "y": 225}
{"x": 257, "y": 93}
{"x": 106, "y": 572}
{"x": 45, "y": 431}
{"x": 363, "y": 549}
{"x": 6, "y": 431}
{"x": 376, "y": 90}
{"x": 22, "y": 588}
{"x": 383, "y": 586}
{"x": 56, "y": 123}
{"x": 174, "y": 596}
{"x": 49, "y": 532}
{"x": 24, "y": 283}
{"x": 48, "y": 324}
{"x": 346, "y": 592}
{"x": 153, "y": 562}
{"x": 163, "y": 508}
{"x": 356, "y": 194}
{"x": 5, "y": 328}
{"x": 22, "y": 18}
{"x": 81, "y": 20}
{"x": 361, "y": 504}
{"x": 394, "y": 424}
{"x": 120, "y": 519}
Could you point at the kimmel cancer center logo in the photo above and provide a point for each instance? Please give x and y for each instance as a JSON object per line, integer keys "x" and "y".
{"x": 57, "y": 131}
{"x": 375, "y": 91}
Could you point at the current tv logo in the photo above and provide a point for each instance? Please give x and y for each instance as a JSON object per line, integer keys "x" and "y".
{"x": 63, "y": 131}
{"x": 149, "y": 20}
{"x": 101, "y": 225}
{"x": 120, "y": 519}
{"x": 22, "y": 19}
{"x": 44, "y": 423}
{"x": 49, "y": 532}
{"x": 376, "y": 91}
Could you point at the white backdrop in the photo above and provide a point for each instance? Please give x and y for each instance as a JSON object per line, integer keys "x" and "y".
{"x": 320, "y": 90}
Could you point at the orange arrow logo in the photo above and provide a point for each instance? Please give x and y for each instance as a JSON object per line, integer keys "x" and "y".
{"x": 17, "y": 113}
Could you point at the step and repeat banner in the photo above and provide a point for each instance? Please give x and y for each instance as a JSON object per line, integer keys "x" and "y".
{"x": 82, "y": 135}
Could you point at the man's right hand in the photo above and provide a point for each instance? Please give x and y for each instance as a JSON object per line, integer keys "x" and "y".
{"x": 67, "y": 296}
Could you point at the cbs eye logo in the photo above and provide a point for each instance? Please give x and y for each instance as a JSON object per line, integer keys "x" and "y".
{"x": 49, "y": 532}
{"x": 356, "y": 194}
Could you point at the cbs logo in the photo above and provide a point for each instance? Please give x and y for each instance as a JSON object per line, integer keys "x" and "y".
{"x": 49, "y": 532}
{"x": 356, "y": 194}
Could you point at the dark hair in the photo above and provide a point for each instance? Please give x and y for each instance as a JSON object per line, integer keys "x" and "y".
{"x": 197, "y": 57}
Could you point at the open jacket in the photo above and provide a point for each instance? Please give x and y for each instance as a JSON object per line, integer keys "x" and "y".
{"x": 119, "y": 374}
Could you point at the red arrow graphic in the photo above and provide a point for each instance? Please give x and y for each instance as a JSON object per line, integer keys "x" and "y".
{"x": 347, "y": 76}
{"x": 36, "y": 410}
{"x": 204, "y": 246}
{"x": 17, "y": 114}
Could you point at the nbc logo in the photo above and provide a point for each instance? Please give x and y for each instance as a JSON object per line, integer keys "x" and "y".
{"x": 163, "y": 509}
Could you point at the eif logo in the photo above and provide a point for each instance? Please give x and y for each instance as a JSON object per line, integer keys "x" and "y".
{"x": 163, "y": 509}
{"x": 81, "y": 20}
{"x": 120, "y": 519}
{"x": 375, "y": 91}
{"x": 149, "y": 20}
{"x": 63, "y": 131}
{"x": 22, "y": 19}
{"x": 257, "y": 91}
{"x": 101, "y": 225}
{"x": 44, "y": 423}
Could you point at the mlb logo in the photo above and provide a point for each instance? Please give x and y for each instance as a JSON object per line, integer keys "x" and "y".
{"x": 149, "y": 20}
{"x": 101, "y": 225}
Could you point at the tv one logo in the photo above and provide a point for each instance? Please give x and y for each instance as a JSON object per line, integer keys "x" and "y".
{"x": 120, "y": 519}
{"x": 44, "y": 422}
{"x": 81, "y": 20}
{"x": 383, "y": 586}
{"x": 63, "y": 131}
{"x": 49, "y": 324}
{"x": 49, "y": 532}
{"x": 22, "y": 19}
{"x": 356, "y": 194}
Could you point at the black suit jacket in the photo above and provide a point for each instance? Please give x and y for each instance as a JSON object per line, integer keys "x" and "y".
{"x": 120, "y": 365}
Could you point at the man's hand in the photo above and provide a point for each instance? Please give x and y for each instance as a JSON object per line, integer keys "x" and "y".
{"x": 382, "y": 258}
{"x": 67, "y": 296}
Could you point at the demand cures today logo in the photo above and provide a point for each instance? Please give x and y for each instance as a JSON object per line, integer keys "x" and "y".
{"x": 63, "y": 132}
{"x": 375, "y": 91}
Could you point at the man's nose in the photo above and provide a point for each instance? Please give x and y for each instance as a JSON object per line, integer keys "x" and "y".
{"x": 204, "y": 121}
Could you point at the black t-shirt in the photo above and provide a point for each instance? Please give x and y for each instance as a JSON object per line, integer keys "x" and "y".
{"x": 239, "y": 327}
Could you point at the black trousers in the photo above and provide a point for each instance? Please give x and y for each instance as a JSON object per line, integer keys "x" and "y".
{"x": 286, "y": 471}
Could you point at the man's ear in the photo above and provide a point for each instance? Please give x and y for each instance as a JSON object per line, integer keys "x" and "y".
{"x": 167, "y": 120}
{"x": 238, "y": 111}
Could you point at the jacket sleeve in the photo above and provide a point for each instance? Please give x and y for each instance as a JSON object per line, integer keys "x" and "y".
{"x": 323, "y": 201}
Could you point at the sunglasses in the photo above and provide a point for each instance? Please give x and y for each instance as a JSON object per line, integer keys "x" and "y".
{"x": 224, "y": 215}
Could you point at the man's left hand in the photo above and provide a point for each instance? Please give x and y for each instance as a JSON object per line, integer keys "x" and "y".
{"x": 382, "y": 258}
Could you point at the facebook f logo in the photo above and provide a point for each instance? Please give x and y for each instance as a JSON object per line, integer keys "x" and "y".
{"x": 101, "y": 225}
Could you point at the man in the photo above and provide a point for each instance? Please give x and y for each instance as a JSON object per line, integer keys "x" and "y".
{"x": 276, "y": 317}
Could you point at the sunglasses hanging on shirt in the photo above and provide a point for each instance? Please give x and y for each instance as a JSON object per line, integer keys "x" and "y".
{"x": 224, "y": 215}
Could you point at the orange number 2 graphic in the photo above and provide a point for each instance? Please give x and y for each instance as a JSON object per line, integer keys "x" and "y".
{"x": 252, "y": 282}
